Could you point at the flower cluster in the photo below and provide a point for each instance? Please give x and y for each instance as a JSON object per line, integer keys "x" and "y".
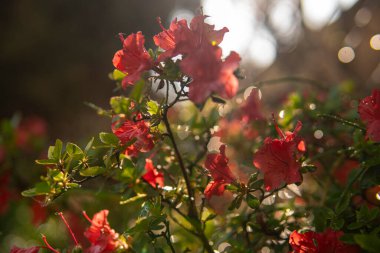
{"x": 326, "y": 242}
{"x": 160, "y": 163}
{"x": 134, "y": 133}
{"x": 102, "y": 237}
{"x": 201, "y": 58}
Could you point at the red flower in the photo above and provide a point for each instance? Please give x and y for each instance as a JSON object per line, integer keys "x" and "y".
{"x": 133, "y": 59}
{"x": 29, "y": 128}
{"x": 152, "y": 176}
{"x": 34, "y": 249}
{"x": 278, "y": 158}
{"x": 214, "y": 188}
{"x": 210, "y": 74}
{"x": 326, "y": 242}
{"x": 168, "y": 38}
{"x": 217, "y": 165}
{"x": 2, "y": 154}
{"x": 103, "y": 239}
{"x": 251, "y": 109}
{"x": 342, "y": 173}
{"x": 39, "y": 213}
{"x": 5, "y": 194}
{"x": 138, "y": 130}
{"x": 180, "y": 39}
{"x": 369, "y": 111}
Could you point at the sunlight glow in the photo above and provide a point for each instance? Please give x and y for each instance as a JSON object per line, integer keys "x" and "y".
{"x": 346, "y": 54}
{"x": 239, "y": 17}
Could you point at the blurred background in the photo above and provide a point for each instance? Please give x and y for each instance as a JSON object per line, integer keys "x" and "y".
{"x": 56, "y": 55}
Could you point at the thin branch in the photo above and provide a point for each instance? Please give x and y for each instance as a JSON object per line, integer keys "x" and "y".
{"x": 341, "y": 120}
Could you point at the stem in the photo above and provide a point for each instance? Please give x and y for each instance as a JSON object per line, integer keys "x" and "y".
{"x": 341, "y": 120}
{"x": 167, "y": 237}
{"x": 68, "y": 227}
{"x": 48, "y": 245}
{"x": 291, "y": 79}
{"x": 193, "y": 214}
{"x": 192, "y": 208}
{"x": 349, "y": 185}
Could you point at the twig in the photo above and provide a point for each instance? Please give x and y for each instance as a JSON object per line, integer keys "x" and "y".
{"x": 341, "y": 120}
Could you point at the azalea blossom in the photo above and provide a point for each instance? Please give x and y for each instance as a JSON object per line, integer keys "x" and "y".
{"x": 169, "y": 38}
{"x": 152, "y": 176}
{"x": 251, "y": 109}
{"x": 369, "y": 111}
{"x": 202, "y": 57}
{"x": 102, "y": 237}
{"x": 326, "y": 242}
{"x": 217, "y": 165}
{"x": 211, "y": 74}
{"x": 278, "y": 158}
{"x": 342, "y": 172}
{"x": 130, "y": 130}
{"x": 133, "y": 59}
{"x": 181, "y": 39}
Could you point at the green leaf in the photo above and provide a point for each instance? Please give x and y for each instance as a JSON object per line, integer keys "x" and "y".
{"x": 133, "y": 199}
{"x": 253, "y": 178}
{"x": 58, "y": 149}
{"x": 137, "y": 91}
{"x": 152, "y": 107}
{"x": 343, "y": 203}
{"x": 210, "y": 217}
{"x": 120, "y": 104}
{"x": 337, "y": 223}
{"x": 41, "y": 188}
{"x": 355, "y": 225}
{"x": 373, "y": 213}
{"x": 89, "y": 145}
{"x": 368, "y": 242}
{"x": 72, "y": 149}
{"x": 252, "y": 201}
{"x": 128, "y": 169}
{"x": 117, "y": 75}
{"x": 155, "y": 120}
{"x": 108, "y": 138}
{"x": 51, "y": 153}
{"x": 72, "y": 185}
{"x": 347, "y": 238}
{"x": 236, "y": 202}
{"x": 92, "y": 171}
{"x": 308, "y": 168}
{"x": 46, "y": 162}
{"x": 57, "y": 175}
{"x": 256, "y": 185}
